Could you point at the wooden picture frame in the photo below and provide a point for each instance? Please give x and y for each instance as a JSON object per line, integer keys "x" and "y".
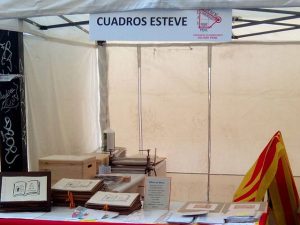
{"x": 25, "y": 191}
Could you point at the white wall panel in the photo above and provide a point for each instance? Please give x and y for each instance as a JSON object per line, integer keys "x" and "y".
{"x": 62, "y": 98}
{"x": 175, "y": 105}
{"x": 123, "y": 96}
{"x": 188, "y": 187}
{"x": 255, "y": 92}
{"x": 223, "y": 187}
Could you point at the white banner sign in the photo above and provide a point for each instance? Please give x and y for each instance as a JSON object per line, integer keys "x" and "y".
{"x": 208, "y": 25}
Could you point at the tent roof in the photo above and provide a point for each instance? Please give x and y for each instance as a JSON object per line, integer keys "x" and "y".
{"x": 25, "y": 9}
{"x": 258, "y": 24}
{"x": 275, "y": 24}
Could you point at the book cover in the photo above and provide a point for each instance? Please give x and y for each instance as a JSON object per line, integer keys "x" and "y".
{"x": 113, "y": 199}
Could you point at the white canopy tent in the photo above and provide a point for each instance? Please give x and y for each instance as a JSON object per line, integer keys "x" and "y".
{"x": 17, "y": 9}
{"x": 61, "y": 73}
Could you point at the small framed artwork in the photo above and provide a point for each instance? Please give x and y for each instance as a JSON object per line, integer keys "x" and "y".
{"x": 25, "y": 191}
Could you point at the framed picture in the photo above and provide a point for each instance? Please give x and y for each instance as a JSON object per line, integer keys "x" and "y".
{"x": 25, "y": 191}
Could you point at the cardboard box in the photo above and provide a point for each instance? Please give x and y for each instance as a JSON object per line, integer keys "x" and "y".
{"x": 69, "y": 166}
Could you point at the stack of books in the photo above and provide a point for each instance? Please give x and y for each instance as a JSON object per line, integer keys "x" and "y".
{"x": 75, "y": 192}
{"x": 123, "y": 203}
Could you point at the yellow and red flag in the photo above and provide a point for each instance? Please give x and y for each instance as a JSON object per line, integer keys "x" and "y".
{"x": 272, "y": 172}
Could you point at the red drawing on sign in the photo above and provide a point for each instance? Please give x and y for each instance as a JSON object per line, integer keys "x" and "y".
{"x": 207, "y": 18}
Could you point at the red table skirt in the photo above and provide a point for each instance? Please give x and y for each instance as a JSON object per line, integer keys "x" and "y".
{"x": 50, "y": 222}
{"x": 263, "y": 221}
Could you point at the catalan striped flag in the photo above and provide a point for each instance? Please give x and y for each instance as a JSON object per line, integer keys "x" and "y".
{"x": 272, "y": 172}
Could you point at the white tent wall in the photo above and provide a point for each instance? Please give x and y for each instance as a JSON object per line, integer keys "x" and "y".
{"x": 62, "y": 98}
{"x": 123, "y": 92}
{"x": 254, "y": 93}
{"x": 175, "y": 114}
{"x": 174, "y": 109}
{"x": 62, "y": 92}
{"x": 175, "y": 88}
{"x": 254, "y": 97}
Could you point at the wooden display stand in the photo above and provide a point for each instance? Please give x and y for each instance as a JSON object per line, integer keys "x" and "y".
{"x": 69, "y": 166}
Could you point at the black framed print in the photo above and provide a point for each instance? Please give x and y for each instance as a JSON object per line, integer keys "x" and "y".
{"x": 25, "y": 191}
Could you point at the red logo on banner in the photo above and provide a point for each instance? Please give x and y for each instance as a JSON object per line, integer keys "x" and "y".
{"x": 207, "y": 18}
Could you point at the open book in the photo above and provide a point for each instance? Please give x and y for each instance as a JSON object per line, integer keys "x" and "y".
{"x": 77, "y": 185}
{"x": 22, "y": 188}
{"x": 124, "y": 203}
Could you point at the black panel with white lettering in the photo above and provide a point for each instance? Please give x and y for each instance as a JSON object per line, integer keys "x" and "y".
{"x": 12, "y": 103}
